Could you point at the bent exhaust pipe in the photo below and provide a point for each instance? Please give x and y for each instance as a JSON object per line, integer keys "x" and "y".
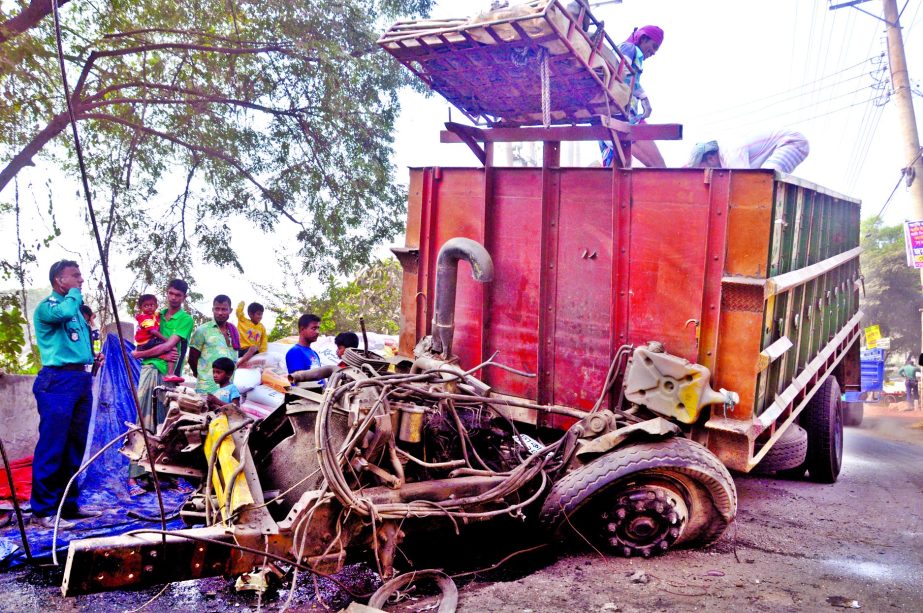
{"x": 482, "y": 269}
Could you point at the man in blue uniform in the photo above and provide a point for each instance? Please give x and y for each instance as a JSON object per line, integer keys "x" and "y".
{"x": 64, "y": 395}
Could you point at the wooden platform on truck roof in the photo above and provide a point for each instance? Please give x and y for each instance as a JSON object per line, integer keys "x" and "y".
{"x": 489, "y": 66}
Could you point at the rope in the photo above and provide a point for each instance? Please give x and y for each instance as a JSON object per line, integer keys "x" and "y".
{"x": 546, "y": 90}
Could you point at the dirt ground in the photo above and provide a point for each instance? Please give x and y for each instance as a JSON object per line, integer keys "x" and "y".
{"x": 796, "y": 546}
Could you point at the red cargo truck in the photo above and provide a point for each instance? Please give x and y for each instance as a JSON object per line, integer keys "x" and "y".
{"x": 630, "y": 335}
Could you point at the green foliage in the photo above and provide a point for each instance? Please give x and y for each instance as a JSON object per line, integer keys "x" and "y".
{"x": 195, "y": 114}
{"x": 13, "y": 339}
{"x": 892, "y": 289}
{"x": 374, "y": 294}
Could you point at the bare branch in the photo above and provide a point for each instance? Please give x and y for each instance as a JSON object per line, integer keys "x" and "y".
{"x": 28, "y": 18}
{"x": 134, "y": 33}
{"x": 209, "y": 151}
{"x": 24, "y": 158}
{"x": 202, "y": 98}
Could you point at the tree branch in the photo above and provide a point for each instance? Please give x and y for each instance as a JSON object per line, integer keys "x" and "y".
{"x": 24, "y": 158}
{"x": 27, "y": 19}
{"x": 203, "y": 98}
{"x": 210, "y": 152}
{"x": 133, "y": 33}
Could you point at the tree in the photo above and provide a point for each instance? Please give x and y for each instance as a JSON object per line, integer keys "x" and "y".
{"x": 892, "y": 289}
{"x": 374, "y": 294}
{"x": 17, "y": 356}
{"x": 270, "y": 111}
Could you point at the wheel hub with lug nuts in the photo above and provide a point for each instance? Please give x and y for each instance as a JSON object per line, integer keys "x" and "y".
{"x": 645, "y": 520}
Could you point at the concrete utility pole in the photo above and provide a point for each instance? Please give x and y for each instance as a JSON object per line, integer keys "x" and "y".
{"x": 903, "y": 96}
{"x": 900, "y": 81}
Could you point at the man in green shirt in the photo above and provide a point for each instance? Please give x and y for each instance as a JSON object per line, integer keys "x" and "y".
{"x": 176, "y": 325}
{"x": 909, "y": 372}
{"x": 63, "y": 394}
{"x": 215, "y": 339}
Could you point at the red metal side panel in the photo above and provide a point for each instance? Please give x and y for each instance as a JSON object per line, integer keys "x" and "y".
{"x": 584, "y": 313}
{"x": 514, "y": 243}
{"x": 412, "y": 307}
{"x": 458, "y": 210}
{"x": 669, "y": 223}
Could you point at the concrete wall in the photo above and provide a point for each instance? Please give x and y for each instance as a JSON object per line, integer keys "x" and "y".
{"x": 18, "y": 415}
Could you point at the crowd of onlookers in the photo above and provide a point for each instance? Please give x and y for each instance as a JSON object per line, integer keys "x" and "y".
{"x": 166, "y": 339}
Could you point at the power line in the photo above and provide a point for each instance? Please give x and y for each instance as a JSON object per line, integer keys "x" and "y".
{"x": 748, "y": 112}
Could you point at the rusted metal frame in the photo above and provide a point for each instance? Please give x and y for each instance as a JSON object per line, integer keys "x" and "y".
{"x": 776, "y": 372}
{"x": 822, "y": 365}
{"x": 588, "y": 67}
{"x": 788, "y": 368}
{"x": 424, "y": 274}
{"x": 487, "y": 239}
{"x": 773, "y": 352}
{"x": 799, "y": 244}
{"x": 719, "y": 198}
{"x": 548, "y": 276}
{"x": 569, "y": 133}
{"x": 789, "y": 228}
{"x": 622, "y": 191}
{"x": 458, "y": 52}
{"x": 787, "y": 281}
{"x": 762, "y": 381}
{"x": 466, "y": 134}
{"x": 798, "y": 325}
{"x": 776, "y": 232}
{"x": 800, "y": 255}
{"x": 823, "y": 319}
{"x": 113, "y": 562}
{"x": 601, "y": 35}
{"x": 741, "y": 435}
{"x": 799, "y": 402}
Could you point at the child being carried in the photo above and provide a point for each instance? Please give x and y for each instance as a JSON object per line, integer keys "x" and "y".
{"x": 148, "y": 335}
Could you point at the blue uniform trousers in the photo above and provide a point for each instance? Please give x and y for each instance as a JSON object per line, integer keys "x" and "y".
{"x": 65, "y": 401}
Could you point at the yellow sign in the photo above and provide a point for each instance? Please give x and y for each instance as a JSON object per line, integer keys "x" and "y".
{"x": 872, "y": 336}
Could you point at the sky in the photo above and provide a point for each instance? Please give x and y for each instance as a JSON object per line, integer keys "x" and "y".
{"x": 726, "y": 69}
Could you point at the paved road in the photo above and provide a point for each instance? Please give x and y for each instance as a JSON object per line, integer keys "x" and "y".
{"x": 794, "y": 546}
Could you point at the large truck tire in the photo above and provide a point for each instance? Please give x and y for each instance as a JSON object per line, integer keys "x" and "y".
{"x": 853, "y": 413}
{"x": 823, "y": 419}
{"x": 644, "y": 499}
{"x": 788, "y": 454}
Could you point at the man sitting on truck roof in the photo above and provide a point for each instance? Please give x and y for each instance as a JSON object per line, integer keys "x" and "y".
{"x": 781, "y": 150}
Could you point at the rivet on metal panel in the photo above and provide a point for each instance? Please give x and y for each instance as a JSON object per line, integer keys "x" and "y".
{"x": 712, "y": 307}
{"x": 623, "y": 250}
{"x": 708, "y": 353}
{"x": 715, "y": 258}
{"x": 551, "y": 265}
{"x": 584, "y": 254}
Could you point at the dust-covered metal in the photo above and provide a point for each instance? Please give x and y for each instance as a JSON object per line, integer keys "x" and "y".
{"x": 347, "y": 473}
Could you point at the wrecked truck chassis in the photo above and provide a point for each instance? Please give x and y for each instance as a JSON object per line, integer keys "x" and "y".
{"x": 345, "y": 473}
{"x": 395, "y": 450}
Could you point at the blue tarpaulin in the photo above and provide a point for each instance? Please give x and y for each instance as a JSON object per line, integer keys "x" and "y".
{"x": 104, "y": 484}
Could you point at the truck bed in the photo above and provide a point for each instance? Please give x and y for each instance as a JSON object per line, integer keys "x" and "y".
{"x": 750, "y": 273}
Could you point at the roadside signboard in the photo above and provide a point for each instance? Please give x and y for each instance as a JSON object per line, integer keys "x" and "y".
{"x": 913, "y": 243}
{"x": 872, "y": 336}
